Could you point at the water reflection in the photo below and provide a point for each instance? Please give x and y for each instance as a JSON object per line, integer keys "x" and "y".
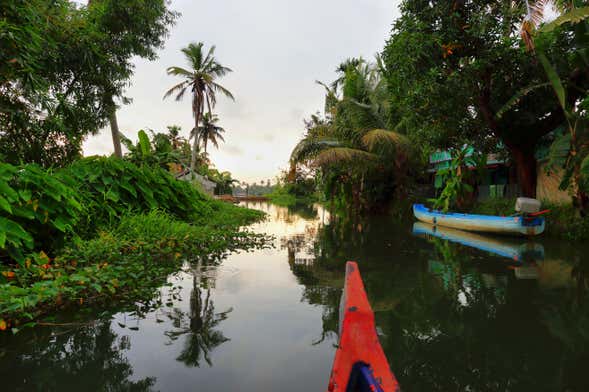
{"x": 510, "y": 248}
{"x": 198, "y": 325}
{"x": 450, "y": 316}
{"x": 91, "y": 358}
{"x": 459, "y": 311}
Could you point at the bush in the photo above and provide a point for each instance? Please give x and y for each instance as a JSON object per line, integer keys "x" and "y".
{"x": 37, "y": 211}
{"x": 40, "y": 210}
{"x": 111, "y": 187}
{"x": 564, "y": 221}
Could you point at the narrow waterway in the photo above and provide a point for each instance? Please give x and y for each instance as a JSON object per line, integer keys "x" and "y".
{"x": 454, "y": 312}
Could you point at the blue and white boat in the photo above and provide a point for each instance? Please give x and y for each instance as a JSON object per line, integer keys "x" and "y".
{"x": 528, "y": 225}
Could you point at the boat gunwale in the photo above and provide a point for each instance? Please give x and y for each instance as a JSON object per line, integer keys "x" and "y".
{"x": 421, "y": 208}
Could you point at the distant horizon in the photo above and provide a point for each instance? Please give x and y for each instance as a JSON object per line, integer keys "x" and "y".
{"x": 277, "y": 50}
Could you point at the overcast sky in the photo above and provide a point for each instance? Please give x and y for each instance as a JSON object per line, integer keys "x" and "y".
{"x": 277, "y": 49}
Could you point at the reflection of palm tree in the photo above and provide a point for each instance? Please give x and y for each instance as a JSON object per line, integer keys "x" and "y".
{"x": 199, "y": 325}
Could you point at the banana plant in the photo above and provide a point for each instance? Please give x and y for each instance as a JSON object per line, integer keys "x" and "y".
{"x": 570, "y": 150}
{"x": 457, "y": 177}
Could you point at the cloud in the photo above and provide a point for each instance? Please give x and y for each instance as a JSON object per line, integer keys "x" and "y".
{"x": 268, "y": 137}
{"x": 234, "y": 150}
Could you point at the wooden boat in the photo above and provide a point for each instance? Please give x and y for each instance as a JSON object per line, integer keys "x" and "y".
{"x": 516, "y": 251}
{"x": 360, "y": 363}
{"x": 529, "y": 225}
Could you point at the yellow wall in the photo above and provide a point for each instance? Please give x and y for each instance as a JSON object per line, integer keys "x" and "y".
{"x": 547, "y": 186}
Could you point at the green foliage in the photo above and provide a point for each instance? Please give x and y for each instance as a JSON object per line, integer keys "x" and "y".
{"x": 208, "y": 131}
{"x": 459, "y": 74}
{"x": 353, "y": 153}
{"x": 570, "y": 151}
{"x": 565, "y": 221}
{"x": 162, "y": 150}
{"x": 224, "y": 180}
{"x": 61, "y": 64}
{"x": 288, "y": 194}
{"x": 40, "y": 209}
{"x": 457, "y": 179}
{"x": 576, "y": 15}
{"x": 144, "y": 144}
{"x": 584, "y": 174}
{"x": 37, "y": 211}
{"x": 126, "y": 262}
{"x": 111, "y": 187}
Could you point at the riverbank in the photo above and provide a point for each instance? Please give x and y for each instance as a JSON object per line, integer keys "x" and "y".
{"x": 124, "y": 263}
{"x": 104, "y": 230}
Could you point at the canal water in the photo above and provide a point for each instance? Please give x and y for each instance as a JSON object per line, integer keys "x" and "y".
{"x": 454, "y": 311}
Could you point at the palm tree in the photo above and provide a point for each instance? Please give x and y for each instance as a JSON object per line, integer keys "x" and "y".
{"x": 343, "y": 68}
{"x": 200, "y": 79}
{"x": 174, "y": 136}
{"x": 208, "y": 132}
{"x": 354, "y": 143}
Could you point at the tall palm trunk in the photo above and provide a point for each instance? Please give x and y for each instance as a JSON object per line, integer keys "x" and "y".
{"x": 114, "y": 130}
{"x": 194, "y": 143}
{"x": 197, "y": 107}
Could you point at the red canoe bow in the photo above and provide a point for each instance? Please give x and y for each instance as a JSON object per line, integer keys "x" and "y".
{"x": 360, "y": 363}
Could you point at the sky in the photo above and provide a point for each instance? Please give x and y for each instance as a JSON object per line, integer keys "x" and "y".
{"x": 276, "y": 49}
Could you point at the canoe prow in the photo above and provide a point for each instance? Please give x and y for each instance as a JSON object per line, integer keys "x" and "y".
{"x": 360, "y": 363}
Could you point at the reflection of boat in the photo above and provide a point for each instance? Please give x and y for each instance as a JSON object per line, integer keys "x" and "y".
{"x": 528, "y": 271}
{"x": 525, "y": 225}
{"x": 360, "y": 363}
{"x": 499, "y": 246}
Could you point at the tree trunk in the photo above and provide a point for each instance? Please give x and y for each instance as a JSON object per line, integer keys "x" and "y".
{"x": 194, "y": 144}
{"x": 525, "y": 166}
{"x": 114, "y": 130}
{"x": 292, "y": 172}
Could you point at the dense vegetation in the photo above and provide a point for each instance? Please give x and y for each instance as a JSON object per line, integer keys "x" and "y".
{"x": 493, "y": 75}
{"x": 73, "y": 229}
{"x": 63, "y": 66}
{"x": 354, "y": 156}
{"x": 99, "y": 226}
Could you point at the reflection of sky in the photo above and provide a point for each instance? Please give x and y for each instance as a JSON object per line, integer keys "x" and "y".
{"x": 271, "y": 330}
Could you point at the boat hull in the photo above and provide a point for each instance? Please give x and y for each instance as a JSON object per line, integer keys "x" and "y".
{"x": 360, "y": 363}
{"x": 517, "y": 225}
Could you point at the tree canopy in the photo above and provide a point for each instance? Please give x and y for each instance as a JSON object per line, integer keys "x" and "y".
{"x": 453, "y": 66}
{"x": 62, "y": 64}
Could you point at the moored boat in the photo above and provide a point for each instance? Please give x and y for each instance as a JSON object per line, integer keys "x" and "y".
{"x": 360, "y": 363}
{"x": 526, "y": 224}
